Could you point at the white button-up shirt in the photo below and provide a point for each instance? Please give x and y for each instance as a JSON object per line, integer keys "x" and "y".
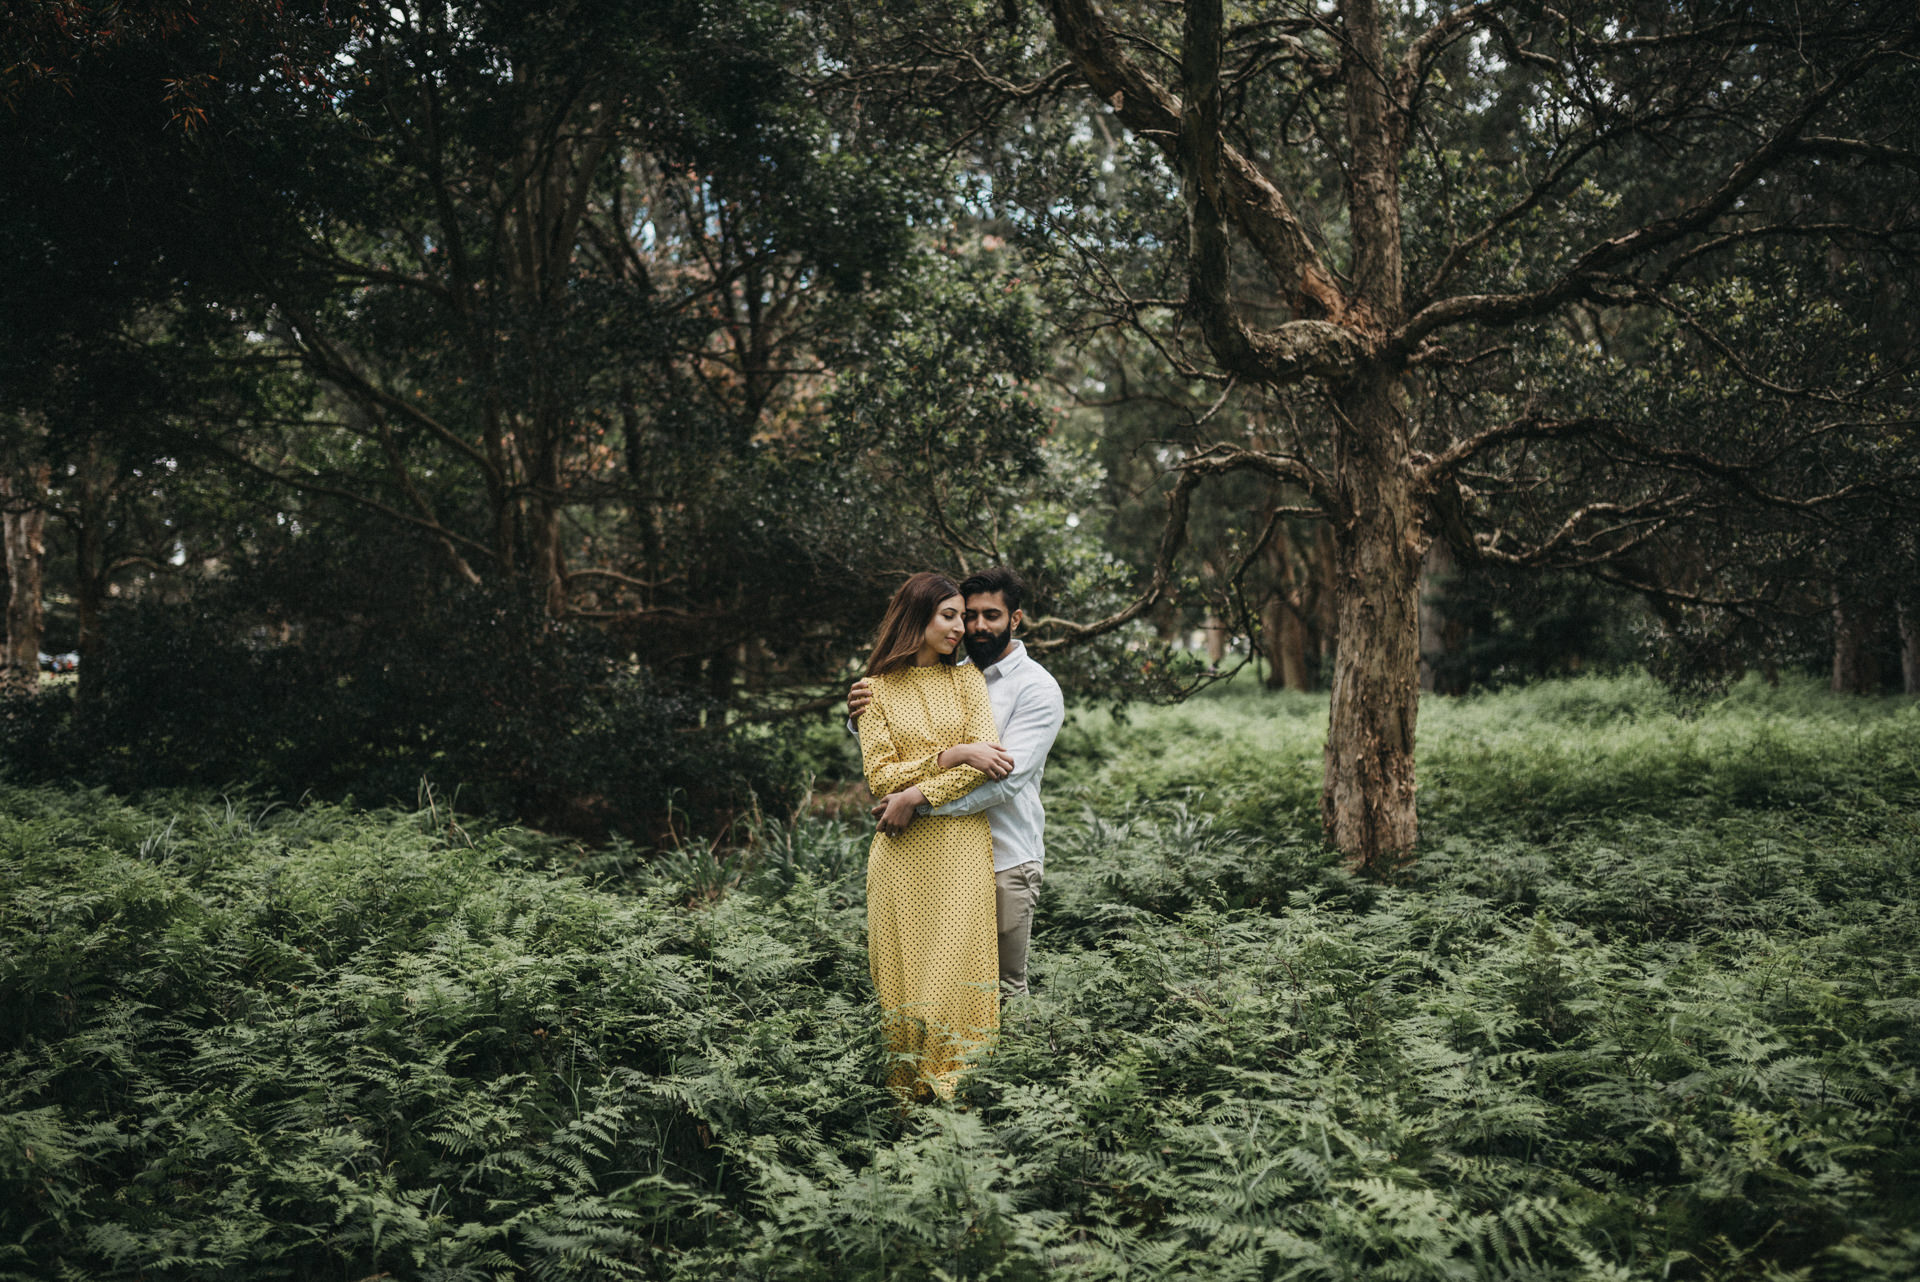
{"x": 1029, "y": 711}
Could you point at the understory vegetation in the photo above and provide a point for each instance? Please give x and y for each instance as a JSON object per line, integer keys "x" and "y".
{"x": 1647, "y": 1006}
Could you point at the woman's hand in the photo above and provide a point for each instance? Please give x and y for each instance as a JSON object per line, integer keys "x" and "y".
{"x": 990, "y": 759}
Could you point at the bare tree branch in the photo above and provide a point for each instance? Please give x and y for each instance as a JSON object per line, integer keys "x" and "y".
{"x": 1591, "y": 266}
{"x": 1872, "y": 153}
{"x": 1254, "y": 203}
{"x": 312, "y": 485}
{"x": 1283, "y": 355}
{"x": 1412, "y": 76}
{"x": 1216, "y": 461}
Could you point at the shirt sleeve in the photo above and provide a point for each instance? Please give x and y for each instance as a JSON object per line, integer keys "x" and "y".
{"x": 1031, "y": 729}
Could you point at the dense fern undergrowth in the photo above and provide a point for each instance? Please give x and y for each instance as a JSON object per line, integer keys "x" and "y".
{"x": 1648, "y": 1006}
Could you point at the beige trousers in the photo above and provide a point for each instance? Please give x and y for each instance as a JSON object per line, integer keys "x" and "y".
{"x": 1016, "y": 891}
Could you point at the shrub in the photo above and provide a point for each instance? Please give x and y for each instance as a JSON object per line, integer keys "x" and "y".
{"x": 299, "y": 680}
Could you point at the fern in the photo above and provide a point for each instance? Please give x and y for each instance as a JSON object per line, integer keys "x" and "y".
{"x": 1645, "y": 1008}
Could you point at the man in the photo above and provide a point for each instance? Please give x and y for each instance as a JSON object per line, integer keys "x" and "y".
{"x": 1028, "y": 710}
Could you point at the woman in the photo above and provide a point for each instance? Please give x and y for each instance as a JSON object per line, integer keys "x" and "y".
{"x": 930, "y": 924}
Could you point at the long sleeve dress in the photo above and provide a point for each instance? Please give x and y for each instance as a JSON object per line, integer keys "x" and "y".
{"x": 931, "y": 941}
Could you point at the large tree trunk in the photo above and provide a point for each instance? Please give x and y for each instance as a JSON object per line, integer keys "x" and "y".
{"x": 1367, "y": 802}
{"x": 24, "y": 519}
{"x": 1373, "y": 493}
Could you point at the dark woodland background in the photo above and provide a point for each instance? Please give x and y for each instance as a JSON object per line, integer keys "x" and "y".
{"x": 544, "y": 400}
{"x": 464, "y": 450}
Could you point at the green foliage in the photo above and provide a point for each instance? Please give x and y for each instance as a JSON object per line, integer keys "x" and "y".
{"x": 308, "y": 682}
{"x": 1658, "y": 1028}
{"x": 1509, "y": 628}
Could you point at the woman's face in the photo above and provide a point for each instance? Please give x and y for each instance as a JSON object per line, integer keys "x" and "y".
{"x": 948, "y": 628}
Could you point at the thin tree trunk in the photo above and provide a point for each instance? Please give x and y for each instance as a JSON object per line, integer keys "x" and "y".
{"x": 721, "y": 666}
{"x": 1441, "y": 637}
{"x": 1854, "y": 668}
{"x": 1367, "y": 802}
{"x": 1326, "y": 621}
{"x": 90, "y": 571}
{"x": 1286, "y": 635}
{"x": 548, "y": 569}
{"x": 1283, "y": 622}
{"x": 1434, "y": 637}
{"x": 1910, "y": 647}
{"x": 1215, "y": 631}
{"x": 24, "y": 519}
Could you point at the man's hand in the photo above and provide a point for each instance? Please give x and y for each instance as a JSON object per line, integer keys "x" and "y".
{"x": 990, "y": 759}
{"x": 858, "y": 698}
{"x": 896, "y": 812}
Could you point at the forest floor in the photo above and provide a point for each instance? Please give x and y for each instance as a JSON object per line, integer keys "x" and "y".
{"x": 1647, "y": 1006}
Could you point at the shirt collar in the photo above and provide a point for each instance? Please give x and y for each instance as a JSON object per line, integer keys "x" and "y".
{"x": 1014, "y": 655}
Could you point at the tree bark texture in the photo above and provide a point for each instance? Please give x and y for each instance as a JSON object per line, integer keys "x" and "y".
{"x": 1367, "y": 799}
{"x": 24, "y": 519}
{"x": 1373, "y": 176}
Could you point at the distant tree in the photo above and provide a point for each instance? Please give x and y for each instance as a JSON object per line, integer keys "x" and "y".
{"x": 614, "y": 306}
{"x": 23, "y": 521}
{"x": 112, "y": 329}
{"x": 581, "y": 289}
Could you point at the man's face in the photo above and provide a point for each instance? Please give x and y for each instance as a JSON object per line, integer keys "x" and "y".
{"x": 989, "y": 627}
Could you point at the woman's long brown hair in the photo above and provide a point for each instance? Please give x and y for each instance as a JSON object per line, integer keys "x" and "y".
{"x": 904, "y": 626}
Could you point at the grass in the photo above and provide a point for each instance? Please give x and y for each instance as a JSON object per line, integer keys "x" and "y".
{"x": 1592, "y": 748}
{"x": 1646, "y": 1008}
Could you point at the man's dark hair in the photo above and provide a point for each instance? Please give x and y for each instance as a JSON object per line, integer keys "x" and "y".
{"x": 999, "y": 579}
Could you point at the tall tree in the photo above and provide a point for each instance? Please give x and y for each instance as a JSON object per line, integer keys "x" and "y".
{"x": 608, "y": 303}
{"x": 581, "y": 285}
{"x": 1451, "y": 233}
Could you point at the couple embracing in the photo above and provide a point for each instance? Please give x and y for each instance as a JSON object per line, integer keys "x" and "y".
{"x": 955, "y": 722}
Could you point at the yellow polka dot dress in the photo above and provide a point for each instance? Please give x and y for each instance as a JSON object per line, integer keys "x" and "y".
{"x": 931, "y": 940}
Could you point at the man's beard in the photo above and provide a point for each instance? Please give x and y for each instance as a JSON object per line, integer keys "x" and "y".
{"x": 986, "y": 650}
